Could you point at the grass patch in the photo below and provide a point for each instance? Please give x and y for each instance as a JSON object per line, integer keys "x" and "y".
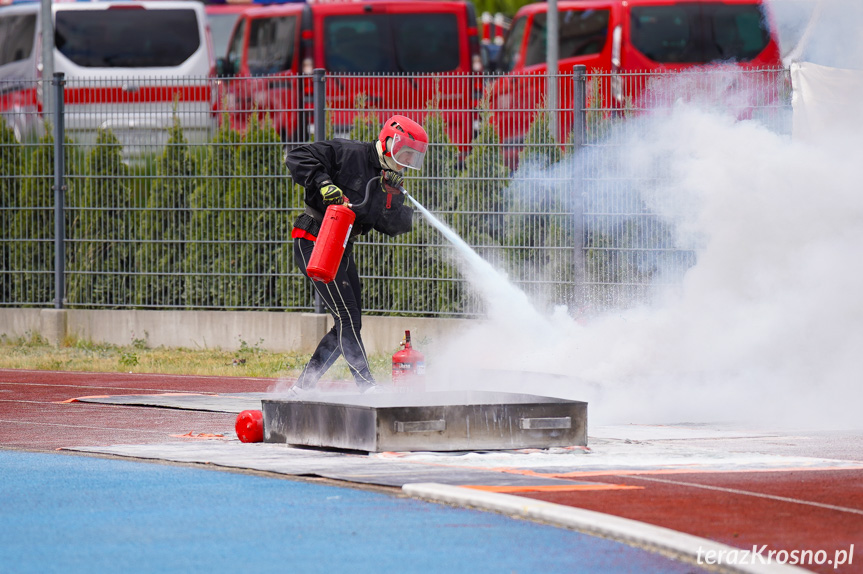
{"x": 250, "y": 360}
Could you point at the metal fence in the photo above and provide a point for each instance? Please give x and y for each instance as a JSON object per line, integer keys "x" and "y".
{"x": 130, "y": 193}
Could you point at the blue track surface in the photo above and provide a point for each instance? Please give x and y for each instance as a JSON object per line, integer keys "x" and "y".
{"x": 80, "y": 514}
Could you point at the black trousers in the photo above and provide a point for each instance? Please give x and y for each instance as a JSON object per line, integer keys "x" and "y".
{"x": 343, "y": 298}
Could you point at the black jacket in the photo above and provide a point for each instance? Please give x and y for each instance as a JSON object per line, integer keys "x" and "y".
{"x": 349, "y": 165}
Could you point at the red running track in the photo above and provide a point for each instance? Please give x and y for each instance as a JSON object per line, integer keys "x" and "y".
{"x": 33, "y": 415}
{"x": 804, "y": 510}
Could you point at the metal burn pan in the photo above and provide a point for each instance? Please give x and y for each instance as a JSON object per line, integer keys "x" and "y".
{"x": 431, "y": 421}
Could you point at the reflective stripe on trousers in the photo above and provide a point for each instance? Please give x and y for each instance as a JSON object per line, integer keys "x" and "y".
{"x": 343, "y": 298}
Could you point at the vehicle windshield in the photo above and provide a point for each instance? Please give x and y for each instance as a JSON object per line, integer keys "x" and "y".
{"x": 699, "y": 33}
{"x": 221, "y": 26}
{"x": 581, "y": 33}
{"x": 271, "y": 44}
{"x": 509, "y": 55}
{"x": 17, "y": 32}
{"x": 127, "y": 38}
{"x": 385, "y": 43}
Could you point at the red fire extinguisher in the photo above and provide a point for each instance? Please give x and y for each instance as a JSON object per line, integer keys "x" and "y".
{"x": 408, "y": 367}
{"x": 333, "y": 239}
{"x": 330, "y": 243}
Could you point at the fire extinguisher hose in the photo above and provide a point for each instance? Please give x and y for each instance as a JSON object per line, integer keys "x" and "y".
{"x": 368, "y": 194}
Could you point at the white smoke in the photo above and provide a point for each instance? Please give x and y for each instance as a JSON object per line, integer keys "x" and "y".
{"x": 824, "y": 32}
{"x": 768, "y": 325}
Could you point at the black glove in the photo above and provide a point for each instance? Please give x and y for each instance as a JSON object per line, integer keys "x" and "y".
{"x": 331, "y": 194}
{"x": 392, "y": 181}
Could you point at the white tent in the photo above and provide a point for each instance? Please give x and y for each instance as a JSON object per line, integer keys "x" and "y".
{"x": 827, "y": 102}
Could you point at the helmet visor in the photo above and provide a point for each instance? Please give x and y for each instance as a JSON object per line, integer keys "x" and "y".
{"x": 408, "y": 152}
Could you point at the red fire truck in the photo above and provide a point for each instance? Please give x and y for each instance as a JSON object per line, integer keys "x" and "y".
{"x": 372, "y": 48}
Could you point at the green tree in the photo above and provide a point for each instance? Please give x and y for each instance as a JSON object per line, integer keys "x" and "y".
{"x": 540, "y": 226}
{"x": 506, "y": 7}
{"x": 424, "y": 252}
{"x": 434, "y": 186}
{"x": 540, "y": 150}
{"x": 163, "y": 225}
{"x": 256, "y": 220}
{"x": 33, "y": 226}
{"x": 33, "y": 222}
{"x": 478, "y": 202}
{"x": 10, "y": 170}
{"x": 366, "y": 126}
{"x": 206, "y": 247}
{"x": 478, "y": 191}
{"x": 102, "y": 256}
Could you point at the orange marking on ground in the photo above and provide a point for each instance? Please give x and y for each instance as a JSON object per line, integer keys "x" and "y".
{"x": 551, "y": 487}
{"x": 181, "y": 395}
{"x": 82, "y": 398}
{"x": 79, "y": 399}
{"x": 522, "y": 471}
{"x": 200, "y": 435}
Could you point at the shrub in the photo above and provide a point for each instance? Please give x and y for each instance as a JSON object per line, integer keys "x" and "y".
{"x": 10, "y": 167}
{"x": 540, "y": 225}
{"x": 102, "y": 255}
{"x": 163, "y": 225}
{"x": 255, "y": 221}
{"x": 206, "y": 250}
{"x": 33, "y": 223}
{"x": 366, "y": 126}
{"x": 478, "y": 204}
{"x": 424, "y": 252}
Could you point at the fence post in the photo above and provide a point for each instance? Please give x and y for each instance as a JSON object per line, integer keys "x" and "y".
{"x": 59, "y": 193}
{"x": 319, "y": 83}
{"x": 579, "y": 106}
{"x": 579, "y": 139}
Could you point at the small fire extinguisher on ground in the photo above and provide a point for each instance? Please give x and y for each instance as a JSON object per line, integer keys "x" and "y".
{"x": 408, "y": 367}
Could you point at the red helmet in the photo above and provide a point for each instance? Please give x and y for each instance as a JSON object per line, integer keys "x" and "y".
{"x": 408, "y": 141}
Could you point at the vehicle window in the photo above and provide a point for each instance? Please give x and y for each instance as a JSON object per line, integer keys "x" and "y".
{"x": 389, "y": 43}
{"x": 235, "y": 50}
{"x": 739, "y": 32}
{"x": 271, "y": 44}
{"x": 359, "y": 43}
{"x": 699, "y": 33}
{"x": 666, "y": 33}
{"x": 580, "y": 33}
{"x": 510, "y": 54}
{"x": 17, "y": 32}
{"x": 426, "y": 42}
{"x": 127, "y": 38}
{"x": 220, "y": 29}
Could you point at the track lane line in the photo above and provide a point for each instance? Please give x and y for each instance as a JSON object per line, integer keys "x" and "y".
{"x": 750, "y": 493}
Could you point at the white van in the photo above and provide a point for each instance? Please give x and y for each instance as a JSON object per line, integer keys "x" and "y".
{"x": 126, "y": 64}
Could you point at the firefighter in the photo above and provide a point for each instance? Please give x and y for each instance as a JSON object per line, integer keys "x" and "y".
{"x": 334, "y": 172}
